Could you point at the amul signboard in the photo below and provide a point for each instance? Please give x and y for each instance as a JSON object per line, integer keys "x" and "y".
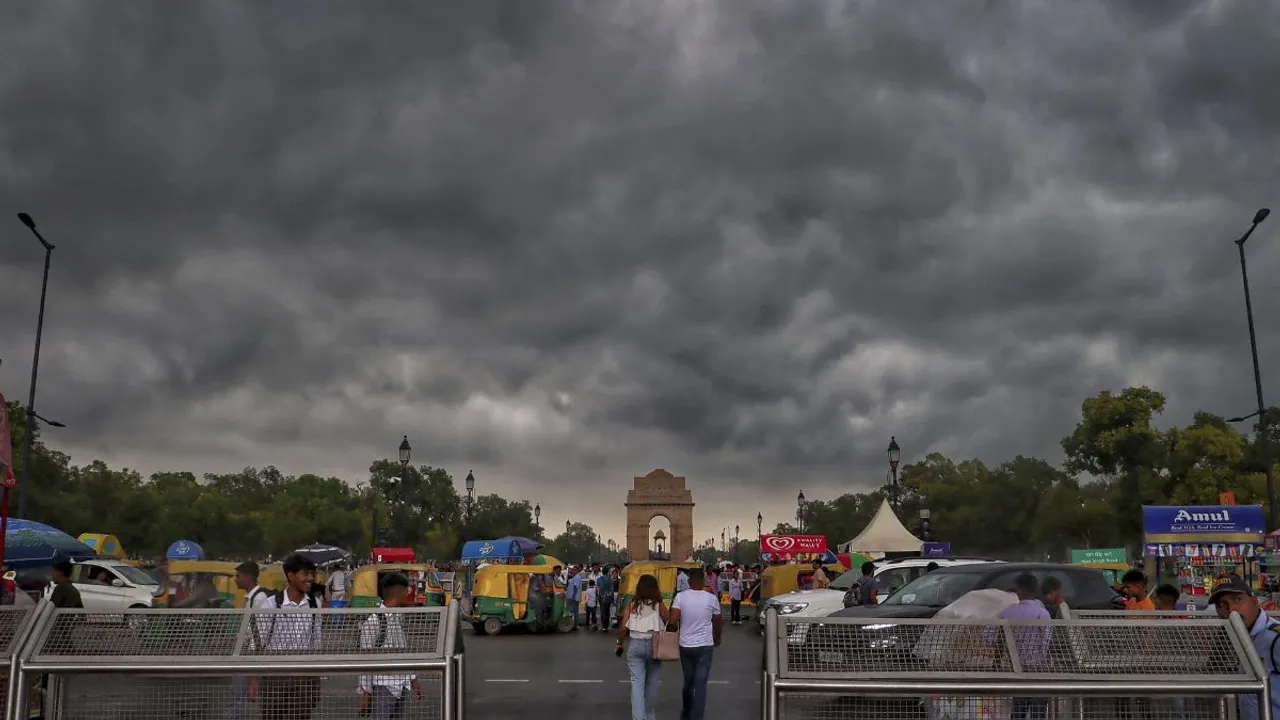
{"x": 1100, "y": 556}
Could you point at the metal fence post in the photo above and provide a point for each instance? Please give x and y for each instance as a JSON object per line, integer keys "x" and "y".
{"x": 768, "y": 695}
{"x": 448, "y": 684}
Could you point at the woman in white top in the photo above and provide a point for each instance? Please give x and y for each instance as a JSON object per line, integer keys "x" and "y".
{"x": 641, "y": 618}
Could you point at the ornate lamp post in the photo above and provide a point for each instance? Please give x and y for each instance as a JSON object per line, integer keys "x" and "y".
{"x": 800, "y": 501}
{"x": 537, "y": 513}
{"x": 895, "y": 454}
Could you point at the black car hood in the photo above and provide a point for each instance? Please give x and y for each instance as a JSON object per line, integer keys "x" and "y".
{"x": 887, "y": 611}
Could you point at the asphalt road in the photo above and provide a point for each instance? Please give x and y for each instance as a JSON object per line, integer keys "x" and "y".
{"x": 576, "y": 676}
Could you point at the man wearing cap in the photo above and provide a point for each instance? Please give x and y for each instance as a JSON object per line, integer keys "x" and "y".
{"x": 1235, "y": 595}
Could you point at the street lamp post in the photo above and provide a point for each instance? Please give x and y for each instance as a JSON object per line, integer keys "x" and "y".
{"x": 800, "y": 510}
{"x": 537, "y": 514}
{"x": 1264, "y": 440}
{"x": 471, "y": 488}
{"x": 736, "y": 536}
{"x": 35, "y": 367}
{"x": 895, "y": 454}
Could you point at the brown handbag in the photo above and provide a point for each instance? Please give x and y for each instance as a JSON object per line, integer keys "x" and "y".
{"x": 666, "y": 646}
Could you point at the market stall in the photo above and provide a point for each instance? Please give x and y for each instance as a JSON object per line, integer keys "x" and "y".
{"x": 884, "y": 537}
{"x": 1205, "y": 543}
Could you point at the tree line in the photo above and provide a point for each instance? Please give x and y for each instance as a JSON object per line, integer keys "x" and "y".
{"x": 261, "y": 511}
{"x": 1116, "y": 460}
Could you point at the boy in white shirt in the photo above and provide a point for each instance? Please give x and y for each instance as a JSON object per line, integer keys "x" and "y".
{"x": 592, "y": 600}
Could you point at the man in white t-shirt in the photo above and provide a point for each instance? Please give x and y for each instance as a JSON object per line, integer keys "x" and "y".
{"x": 697, "y": 612}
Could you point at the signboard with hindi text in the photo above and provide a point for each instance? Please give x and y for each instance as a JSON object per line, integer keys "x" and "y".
{"x": 1100, "y": 556}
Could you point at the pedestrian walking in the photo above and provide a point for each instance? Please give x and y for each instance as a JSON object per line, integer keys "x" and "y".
{"x": 605, "y": 588}
{"x": 64, "y": 594}
{"x": 697, "y": 613}
{"x": 573, "y": 595}
{"x": 255, "y": 598}
{"x": 735, "y": 599}
{"x": 382, "y": 697}
{"x": 820, "y": 578}
{"x": 295, "y": 632}
{"x": 641, "y": 618}
{"x": 1031, "y": 642}
{"x": 863, "y": 591}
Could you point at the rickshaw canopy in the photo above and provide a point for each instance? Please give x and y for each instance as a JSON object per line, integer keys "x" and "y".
{"x": 105, "y": 545}
{"x": 494, "y": 581}
{"x": 664, "y": 571}
{"x": 782, "y": 579}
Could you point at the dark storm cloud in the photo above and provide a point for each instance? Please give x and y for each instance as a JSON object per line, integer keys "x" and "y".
{"x": 568, "y": 242}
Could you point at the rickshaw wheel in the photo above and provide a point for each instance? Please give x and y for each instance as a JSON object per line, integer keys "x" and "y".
{"x": 492, "y": 626}
{"x": 565, "y": 625}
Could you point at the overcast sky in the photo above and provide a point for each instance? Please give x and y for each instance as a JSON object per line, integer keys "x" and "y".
{"x": 566, "y": 243}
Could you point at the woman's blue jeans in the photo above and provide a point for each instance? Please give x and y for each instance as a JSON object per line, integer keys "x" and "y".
{"x": 645, "y": 677}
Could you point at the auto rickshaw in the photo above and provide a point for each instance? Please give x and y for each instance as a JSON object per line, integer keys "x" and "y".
{"x": 500, "y": 597}
{"x": 223, "y": 574}
{"x": 665, "y": 572}
{"x": 425, "y": 587}
{"x": 782, "y": 579}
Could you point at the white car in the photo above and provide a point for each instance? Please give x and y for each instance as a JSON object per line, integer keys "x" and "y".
{"x": 890, "y": 575}
{"x": 125, "y": 586}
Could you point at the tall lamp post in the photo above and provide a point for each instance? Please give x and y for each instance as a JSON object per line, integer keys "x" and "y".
{"x": 800, "y": 510}
{"x": 35, "y": 368}
{"x": 471, "y": 488}
{"x": 736, "y": 536}
{"x": 895, "y": 455}
{"x": 1263, "y": 439}
{"x": 537, "y": 515}
{"x": 406, "y": 453}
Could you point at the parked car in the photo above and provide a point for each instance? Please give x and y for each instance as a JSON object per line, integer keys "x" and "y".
{"x": 890, "y": 575}
{"x": 886, "y": 647}
{"x": 111, "y": 585}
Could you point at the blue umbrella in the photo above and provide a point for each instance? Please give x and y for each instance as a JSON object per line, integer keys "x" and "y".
{"x": 185, "y": 550}
{"x": 29, "y": 544}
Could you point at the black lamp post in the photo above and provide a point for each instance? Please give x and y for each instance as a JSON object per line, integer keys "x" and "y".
{"x": 1263, "y": 439}
{"x": 800, "y": 510}
{"x": 895, "y": 455}
{"x": 537, "y": 513}
{"x": 736, "y": 536}
{"x": 32, "y": 417}
{"x": 406, "y": 452}
{"x": 759, "y": 526}
{"x": 471, "y": 488}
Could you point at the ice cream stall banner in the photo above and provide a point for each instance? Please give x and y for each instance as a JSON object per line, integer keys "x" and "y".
{"x": 787, "y": 548}
{"x": 1203, "y": 524}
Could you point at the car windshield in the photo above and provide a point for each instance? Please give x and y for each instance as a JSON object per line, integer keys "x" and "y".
{"x": 846, "y": 580}
{"x": 936, "y": 589}
{"x": 134, "y": 575}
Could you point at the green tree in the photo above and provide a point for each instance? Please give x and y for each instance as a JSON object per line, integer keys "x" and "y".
{"x": 578, "y": 544}
{"x": 1116, "y": 440}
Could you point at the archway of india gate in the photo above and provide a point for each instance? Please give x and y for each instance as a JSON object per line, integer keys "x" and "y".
{"x": 659, "y": 493}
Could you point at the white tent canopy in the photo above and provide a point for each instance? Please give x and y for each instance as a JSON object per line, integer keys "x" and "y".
{"x": 884, "y": 534}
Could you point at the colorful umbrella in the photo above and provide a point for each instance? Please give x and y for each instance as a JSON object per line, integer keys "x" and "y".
{"x": 29, "y": 544}
{"x": 185, "y": 550}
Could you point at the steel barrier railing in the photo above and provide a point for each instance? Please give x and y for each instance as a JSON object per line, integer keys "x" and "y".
{"x": 16, "y": 624}
{"x": 169, "y": 663}
{"x": 900, "y": 669}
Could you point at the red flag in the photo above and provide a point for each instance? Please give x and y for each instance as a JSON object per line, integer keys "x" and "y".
{"x": 6, "y": 447}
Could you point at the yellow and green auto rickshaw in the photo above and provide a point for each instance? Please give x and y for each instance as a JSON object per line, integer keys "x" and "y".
{"x": 425, "y": 587}
{"x": 182, "y": 573}
{"x": 664, "y": 571}
{"x": 500, "y": 598}
{"x": 783, "y": 579}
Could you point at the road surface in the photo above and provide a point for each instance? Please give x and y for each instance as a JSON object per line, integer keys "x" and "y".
{"x": 576, "y": 677}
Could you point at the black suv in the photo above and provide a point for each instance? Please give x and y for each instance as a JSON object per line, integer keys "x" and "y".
{"x": 886, "y": 645}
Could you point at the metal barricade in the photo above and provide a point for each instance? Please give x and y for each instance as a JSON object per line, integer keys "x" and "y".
{"x": 16, "y": 624}
{"x": 913, "y": 669}
{"x": 175, "y": 664}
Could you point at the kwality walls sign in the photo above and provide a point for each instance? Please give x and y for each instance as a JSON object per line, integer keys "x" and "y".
{"x": 774, "y": 548}
{"x": 1203, "y": 523}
